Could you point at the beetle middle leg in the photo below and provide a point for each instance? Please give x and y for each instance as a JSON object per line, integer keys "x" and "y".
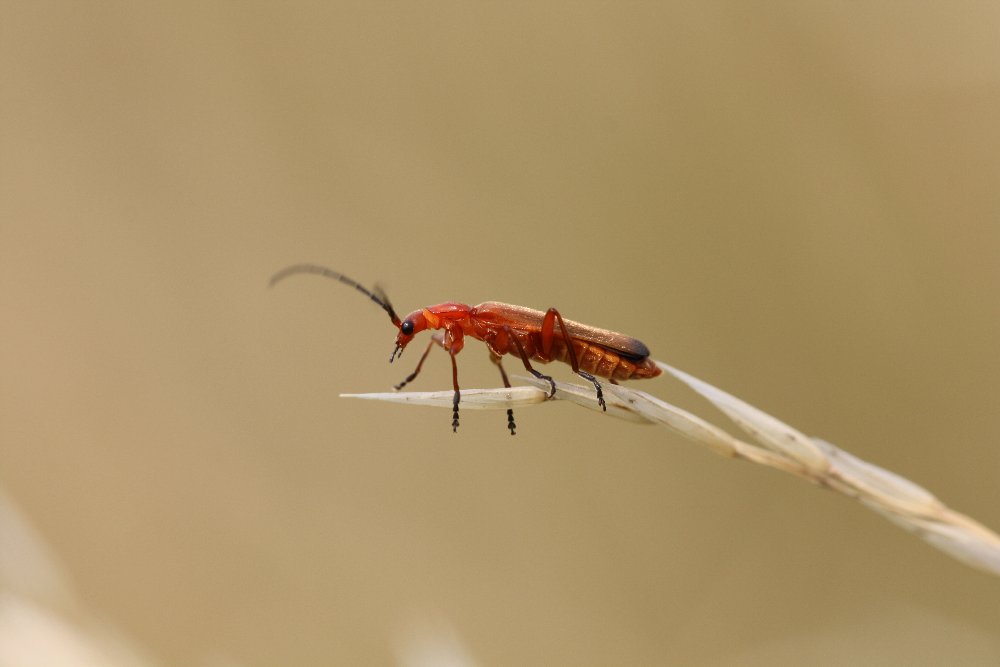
{"x": 496, "y": 359}
{"x": 524, "y": 359}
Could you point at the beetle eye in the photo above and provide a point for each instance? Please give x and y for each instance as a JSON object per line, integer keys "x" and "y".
{"x": 407, "y": 327}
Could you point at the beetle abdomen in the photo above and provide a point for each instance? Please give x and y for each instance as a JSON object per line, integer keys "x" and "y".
{"x": 592, "y": 358}
{"x": 605, "y": 363}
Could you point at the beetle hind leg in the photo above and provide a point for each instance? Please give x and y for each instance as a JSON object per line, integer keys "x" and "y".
{"x": 597, "y": 386}
{"x": 552, "y": 317}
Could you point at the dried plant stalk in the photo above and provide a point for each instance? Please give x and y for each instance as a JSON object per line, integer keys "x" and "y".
{"x": 777, "y": 445}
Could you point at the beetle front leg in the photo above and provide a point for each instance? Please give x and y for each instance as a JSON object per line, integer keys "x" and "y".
{"x": 458, "y": 394}
{"x": 436, "y": 338}
{"x": 453, "y": 341}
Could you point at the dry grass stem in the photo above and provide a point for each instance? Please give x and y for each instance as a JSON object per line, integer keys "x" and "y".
{"x": 772, "y": 443}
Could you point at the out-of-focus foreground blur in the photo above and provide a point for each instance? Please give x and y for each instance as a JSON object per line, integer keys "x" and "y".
{"x": 798, "y": 203}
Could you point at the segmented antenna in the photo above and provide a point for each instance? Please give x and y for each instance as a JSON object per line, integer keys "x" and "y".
{"x": 378, "y": 296}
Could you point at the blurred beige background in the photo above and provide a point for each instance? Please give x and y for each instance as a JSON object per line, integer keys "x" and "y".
{"x": 798, "y": 203}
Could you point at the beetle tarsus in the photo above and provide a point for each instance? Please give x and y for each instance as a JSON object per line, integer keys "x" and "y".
{"x": 597, "y": 386}
{"x": 547, "y": 378}
{"x": 495, "y": 358}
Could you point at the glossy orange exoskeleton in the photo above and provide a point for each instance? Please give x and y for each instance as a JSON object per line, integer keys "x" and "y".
{"x": 529, "y": 335}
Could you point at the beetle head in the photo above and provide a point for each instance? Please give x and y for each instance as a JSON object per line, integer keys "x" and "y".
{"x": 411, "y": 325}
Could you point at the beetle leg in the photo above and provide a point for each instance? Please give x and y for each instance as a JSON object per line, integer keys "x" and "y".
{"x": 597, "y": 386}
{"x": 495, "y": 358}
{"x": 458, "y": 394}
{"x": 551, "y": 316}
{"x": 436, "y": 338}
{"x": 527, "y": 364}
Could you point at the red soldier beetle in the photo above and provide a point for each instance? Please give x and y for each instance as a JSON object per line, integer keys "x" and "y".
{"x": 507, "y": 329}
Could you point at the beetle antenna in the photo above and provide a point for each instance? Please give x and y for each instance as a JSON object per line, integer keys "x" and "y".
{"x": 378, "y": 296}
